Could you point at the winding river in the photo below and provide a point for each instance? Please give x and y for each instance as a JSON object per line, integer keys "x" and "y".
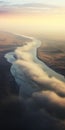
{"x": 25, "y": 65}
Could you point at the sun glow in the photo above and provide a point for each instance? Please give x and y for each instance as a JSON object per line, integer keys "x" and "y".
{"x": 41, "y": 22}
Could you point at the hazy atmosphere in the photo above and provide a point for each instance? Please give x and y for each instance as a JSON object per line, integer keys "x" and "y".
{"x": 32, "y": 64}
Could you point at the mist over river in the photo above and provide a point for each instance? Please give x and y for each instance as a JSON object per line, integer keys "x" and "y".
{"x": 30, "y": 73}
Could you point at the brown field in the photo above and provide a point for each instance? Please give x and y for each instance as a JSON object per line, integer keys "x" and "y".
{"x": 53, "y": 54}
{"x": 11, "y": 41}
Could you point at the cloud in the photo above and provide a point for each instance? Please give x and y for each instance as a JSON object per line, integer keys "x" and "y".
{"x": 24, "y": 114}
{"x": 2, "y": 3}
{"x": 41, "y": 101}
{"x": 31, "y": 74}
{"x": 51, "y": 102}
{"x": 4, "y": 11}
{"x": 21, "y": 7}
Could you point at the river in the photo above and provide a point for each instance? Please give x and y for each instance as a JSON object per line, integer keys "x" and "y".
{"x": 28, "y": 70}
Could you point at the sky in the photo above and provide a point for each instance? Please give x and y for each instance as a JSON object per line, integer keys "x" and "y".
{"x": 50, "y": 2}
{"x": 28, "y": 16}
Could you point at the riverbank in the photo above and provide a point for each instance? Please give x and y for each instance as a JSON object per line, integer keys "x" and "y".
{"x": 8, "y": 43}
{"x": 8, "y": 85}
